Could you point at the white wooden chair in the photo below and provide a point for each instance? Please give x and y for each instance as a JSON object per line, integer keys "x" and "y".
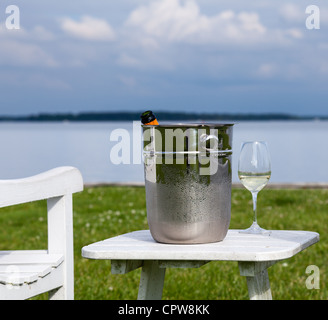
{"x": 26, "y": 273}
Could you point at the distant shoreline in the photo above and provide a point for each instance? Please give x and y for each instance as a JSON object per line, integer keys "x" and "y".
{"x": 162, "y": 115}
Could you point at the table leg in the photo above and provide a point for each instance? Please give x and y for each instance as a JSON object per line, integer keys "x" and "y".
{"x": 151, "y": 281}
{"x": 256, "y": 274}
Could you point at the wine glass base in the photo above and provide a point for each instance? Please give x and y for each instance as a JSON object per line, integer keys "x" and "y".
{"x": 255, "y": 229}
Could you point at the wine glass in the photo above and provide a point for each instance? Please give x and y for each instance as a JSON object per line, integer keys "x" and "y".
{"x": 254, "y": 171}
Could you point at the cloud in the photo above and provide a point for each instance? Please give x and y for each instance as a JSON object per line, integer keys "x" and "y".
{"x": 88, "y": 28}
{"x": 294, "y": 33}
{"x": 41, "y": 33}
{"x": 128, "y": 81}
{"x": 174, "y": 21}
{"x": 17, "y": 53}
{"x": 29, "y": 48}
{"x": 45, "y": 81}
{"x": 266, "y": 70}
{"x": 128, "y": 61}
{"x": 292, "y": 12}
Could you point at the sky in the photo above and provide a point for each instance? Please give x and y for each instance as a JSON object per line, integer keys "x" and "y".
{"x": 222, "y": 56}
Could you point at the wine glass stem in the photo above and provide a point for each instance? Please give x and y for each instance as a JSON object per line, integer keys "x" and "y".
{"x": 254, "y": 196}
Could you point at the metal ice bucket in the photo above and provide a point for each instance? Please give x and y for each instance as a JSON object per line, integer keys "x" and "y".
{"x": 188, "y": 181}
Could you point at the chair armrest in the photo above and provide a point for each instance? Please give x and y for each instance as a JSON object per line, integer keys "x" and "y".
{"x": 53, "y": 183}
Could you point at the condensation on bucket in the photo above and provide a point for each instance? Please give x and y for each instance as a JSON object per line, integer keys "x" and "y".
{"x": 185, "y": 207}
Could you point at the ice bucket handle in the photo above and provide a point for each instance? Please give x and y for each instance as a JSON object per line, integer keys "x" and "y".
{"x": 204, "y": 138}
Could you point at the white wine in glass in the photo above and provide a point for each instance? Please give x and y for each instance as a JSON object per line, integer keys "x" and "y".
{"x": 254, "y": 171}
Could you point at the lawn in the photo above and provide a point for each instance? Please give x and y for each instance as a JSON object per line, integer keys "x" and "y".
{"x": 103, "y": 212}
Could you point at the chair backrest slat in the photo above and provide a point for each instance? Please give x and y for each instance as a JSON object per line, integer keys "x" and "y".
{"x": 52, "y": 183}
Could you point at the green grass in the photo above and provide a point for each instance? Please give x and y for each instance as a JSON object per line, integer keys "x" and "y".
{"x": 103, "y": 212}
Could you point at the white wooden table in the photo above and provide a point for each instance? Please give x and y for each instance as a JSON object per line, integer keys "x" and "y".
{"x": 254, "y": 253}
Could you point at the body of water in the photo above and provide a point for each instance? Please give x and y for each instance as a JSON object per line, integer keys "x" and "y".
{"x": 299, "y": 150}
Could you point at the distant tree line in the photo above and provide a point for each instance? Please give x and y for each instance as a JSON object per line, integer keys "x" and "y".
{"x": 161, "y": 115}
